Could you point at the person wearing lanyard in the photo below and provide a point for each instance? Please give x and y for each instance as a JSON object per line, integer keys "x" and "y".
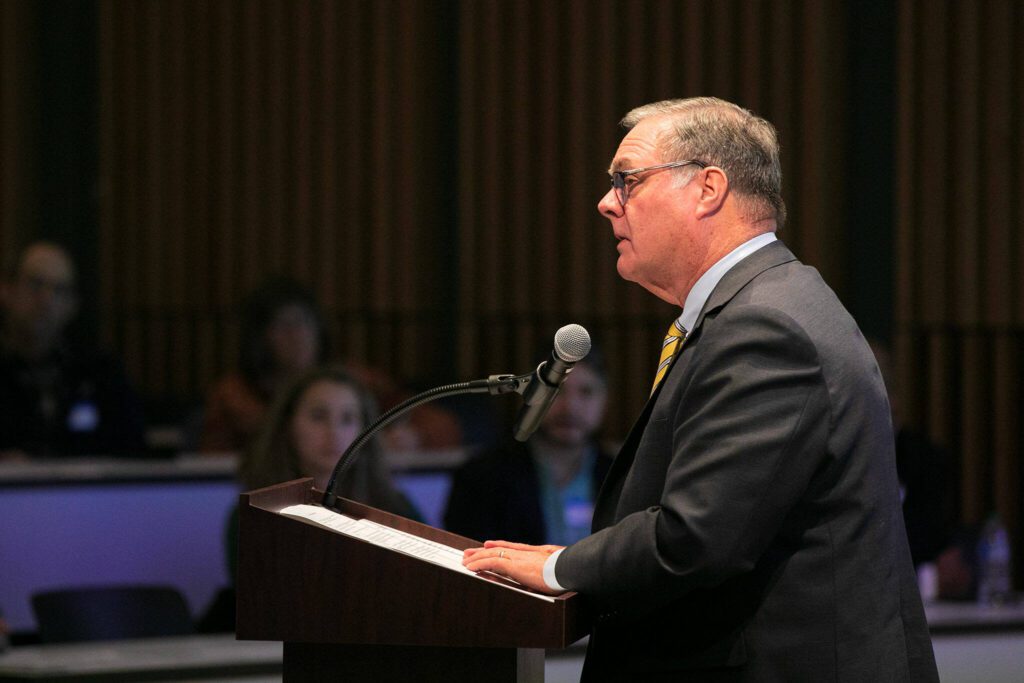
{"x": 542, "y": 491}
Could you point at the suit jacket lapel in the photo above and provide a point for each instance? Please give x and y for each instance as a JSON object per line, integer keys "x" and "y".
{"x": 604, "y": 506}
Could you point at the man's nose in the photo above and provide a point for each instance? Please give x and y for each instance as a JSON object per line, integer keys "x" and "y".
{"x": 609, "y": 205}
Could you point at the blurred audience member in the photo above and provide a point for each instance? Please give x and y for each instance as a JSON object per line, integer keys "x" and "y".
{"x": 924, "y": 474}
{"x": 310, "y": 425}
{"x": 542, "y": 491}
{"x": 282, "y": 336}
{"x": 308, "y": 429}
{"x": 58, "y": 398}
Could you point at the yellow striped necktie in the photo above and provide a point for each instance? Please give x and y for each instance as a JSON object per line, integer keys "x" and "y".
{"x": 674, "y": 339}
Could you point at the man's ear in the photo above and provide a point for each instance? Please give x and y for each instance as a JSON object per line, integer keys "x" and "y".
{"x": 714, "y": 188}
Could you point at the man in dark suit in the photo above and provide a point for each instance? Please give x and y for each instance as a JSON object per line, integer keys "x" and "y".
{"x": 59, "y": 397}
{"x": 750, "y": 528}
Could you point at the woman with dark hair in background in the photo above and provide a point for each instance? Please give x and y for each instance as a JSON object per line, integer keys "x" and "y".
{"x": 310, "y": 425}
{"x": 312, "y": 422}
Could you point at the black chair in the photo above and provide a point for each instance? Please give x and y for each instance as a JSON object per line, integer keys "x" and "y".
{"x": 111, "y": 613}
{"x": 219, "y": 616}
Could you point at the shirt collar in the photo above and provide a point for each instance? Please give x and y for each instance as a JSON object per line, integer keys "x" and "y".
{"x": 702, "y": 289}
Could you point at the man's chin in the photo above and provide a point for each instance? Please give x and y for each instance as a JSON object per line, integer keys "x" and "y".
{"x": 625, "y": 270}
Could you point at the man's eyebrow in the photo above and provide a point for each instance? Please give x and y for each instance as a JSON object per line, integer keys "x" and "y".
{"x": 619, "y": 165}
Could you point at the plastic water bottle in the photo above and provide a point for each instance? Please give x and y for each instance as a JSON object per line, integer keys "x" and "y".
{"x": 994, "y": 564}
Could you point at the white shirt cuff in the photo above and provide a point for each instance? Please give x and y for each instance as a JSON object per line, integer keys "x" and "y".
{"x": 549, "y": 572}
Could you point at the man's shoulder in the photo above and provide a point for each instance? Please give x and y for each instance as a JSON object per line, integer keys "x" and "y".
{"x": 797, "y": 291}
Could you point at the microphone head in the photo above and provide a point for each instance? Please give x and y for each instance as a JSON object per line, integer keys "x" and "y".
{"x": 572, "y": 343}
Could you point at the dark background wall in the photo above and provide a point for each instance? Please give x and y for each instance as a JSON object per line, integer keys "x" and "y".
{"x": 431, "y": 168}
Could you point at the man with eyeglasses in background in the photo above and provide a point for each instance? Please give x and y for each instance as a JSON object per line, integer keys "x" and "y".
{"x": 58, "y": 398}
{"x": 749, "y": 528}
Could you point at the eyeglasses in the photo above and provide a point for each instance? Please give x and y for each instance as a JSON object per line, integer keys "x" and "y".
{"x": 623, "y": 187}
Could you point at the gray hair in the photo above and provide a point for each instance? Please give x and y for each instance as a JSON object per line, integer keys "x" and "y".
{"x": 726, "y": 135}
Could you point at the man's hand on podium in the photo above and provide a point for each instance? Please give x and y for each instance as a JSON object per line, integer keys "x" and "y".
{"x": 517, "y": 561}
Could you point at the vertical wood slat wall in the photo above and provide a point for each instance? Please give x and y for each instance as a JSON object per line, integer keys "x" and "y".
{"x": 244, "y": 137}
{"x": 17, "y": 61}
{"x": 960, "y": 253}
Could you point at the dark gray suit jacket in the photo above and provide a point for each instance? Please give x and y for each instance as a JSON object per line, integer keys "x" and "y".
{"x": 750, "y": 528}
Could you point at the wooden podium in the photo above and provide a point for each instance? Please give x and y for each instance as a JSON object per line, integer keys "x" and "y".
{"x": 349, "y": 610}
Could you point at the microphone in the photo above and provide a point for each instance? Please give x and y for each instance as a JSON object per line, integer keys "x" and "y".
{"x": 572, "y": 344}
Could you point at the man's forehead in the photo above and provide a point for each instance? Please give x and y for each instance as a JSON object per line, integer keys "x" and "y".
{"x": 640, "y": 145}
